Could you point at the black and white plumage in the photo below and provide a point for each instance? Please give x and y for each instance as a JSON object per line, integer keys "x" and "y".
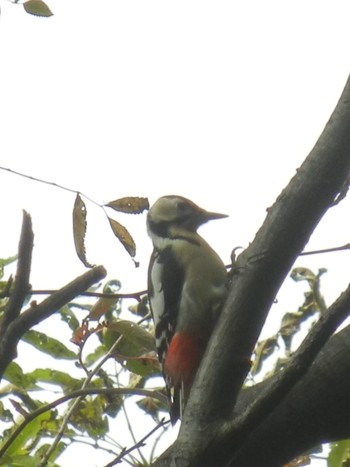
{"x": 187, "y": 287}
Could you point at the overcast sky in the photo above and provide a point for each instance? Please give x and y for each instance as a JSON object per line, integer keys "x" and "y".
{"x": 217, "y": 101}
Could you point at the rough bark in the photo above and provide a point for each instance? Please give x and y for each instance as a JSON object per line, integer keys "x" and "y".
{"x": 208, "y": 422}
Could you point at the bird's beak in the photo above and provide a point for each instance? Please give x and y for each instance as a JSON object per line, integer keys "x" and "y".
{"x": 210, "y": 216}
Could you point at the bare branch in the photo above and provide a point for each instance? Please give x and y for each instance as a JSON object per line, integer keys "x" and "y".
{"x": 21, "y": 283}
{"x": 326, "y": 250}
{"x": 137, "y": 445}
{"x": 136, "y": 295}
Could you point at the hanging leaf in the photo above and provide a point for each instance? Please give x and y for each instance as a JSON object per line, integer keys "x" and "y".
{"x": 123, "y": 236}
{"x": 129, "y": 205}
{"x": 105, "y": 304}
{"x": 37, "y": 8}
{"x": 79, "y": 229}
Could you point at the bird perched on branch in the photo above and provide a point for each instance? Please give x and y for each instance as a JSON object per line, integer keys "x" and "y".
{"x": 187, "y": 288}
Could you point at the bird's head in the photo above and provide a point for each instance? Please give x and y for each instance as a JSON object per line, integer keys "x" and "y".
{"x": 175, "y": 212}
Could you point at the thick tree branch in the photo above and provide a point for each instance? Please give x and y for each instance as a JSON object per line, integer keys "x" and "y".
{"x": 244, "y": 424}
{"x": 260, "y": 271}
{"x": 37, "y": 313}
{"x": 316, "y": 410}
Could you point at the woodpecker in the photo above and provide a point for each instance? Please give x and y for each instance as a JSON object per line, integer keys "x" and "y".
{"x": 187, "y": 285}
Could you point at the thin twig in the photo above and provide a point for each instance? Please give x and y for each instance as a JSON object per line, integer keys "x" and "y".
{"x": 78, "y": 393}
{"x": 56, "y": 185}
{"x": 138, "y": 445}
{"x": 131, "y": 431}
{"x": 326, "y": 250}
{"x": 136, "y": 295}
{"x": 156, "y": 441}
{"x": 69, "y": 412}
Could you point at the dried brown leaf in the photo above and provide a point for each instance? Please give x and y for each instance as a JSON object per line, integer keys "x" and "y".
{"x": 79, "y": 229}
{"x": 123, "y": 236}
{"x": 129, "y": 205}
{"x": 101, "y": 307}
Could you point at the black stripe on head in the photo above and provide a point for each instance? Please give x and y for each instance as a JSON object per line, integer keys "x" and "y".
{"x": 162, "y": 229}
{"x": 159, "y": 228}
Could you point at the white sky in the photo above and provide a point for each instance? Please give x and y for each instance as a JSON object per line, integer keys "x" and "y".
{"x": 217, "y": 101}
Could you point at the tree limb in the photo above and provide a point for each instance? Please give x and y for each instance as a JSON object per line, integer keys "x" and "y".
{"x": 245, "y": 424}
{"x": 314, "y": 411}
{"x": 259, "y": 273}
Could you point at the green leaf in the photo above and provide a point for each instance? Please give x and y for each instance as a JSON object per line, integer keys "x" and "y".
{"x": 15, "y": 375}
{"x": 102, "y": 306}
{"x": 136, "y": 349}
{"x": 152, "y": 407}
{"x": 48, "y": 345}
{"x": 47, "y": 375}
{"x": 338, "y": 453}
{"x": 141, "y": 308}
{"x": 135, "y": 342}
{"x": 92, "y": 358}
{"x": 90, "y": 417}
{"x": 68, "y": 316}
{"x": 61, "y": 446}
{"x": 29, "y": 433}
{"x": 5, "y": 414}
{"x": 4, "y": 262}
{"x": 37, "y": 8}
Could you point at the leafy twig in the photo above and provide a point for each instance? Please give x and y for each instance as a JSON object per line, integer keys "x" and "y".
{"x": 71, "y": 409}
{"x": 78, "y": 393}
